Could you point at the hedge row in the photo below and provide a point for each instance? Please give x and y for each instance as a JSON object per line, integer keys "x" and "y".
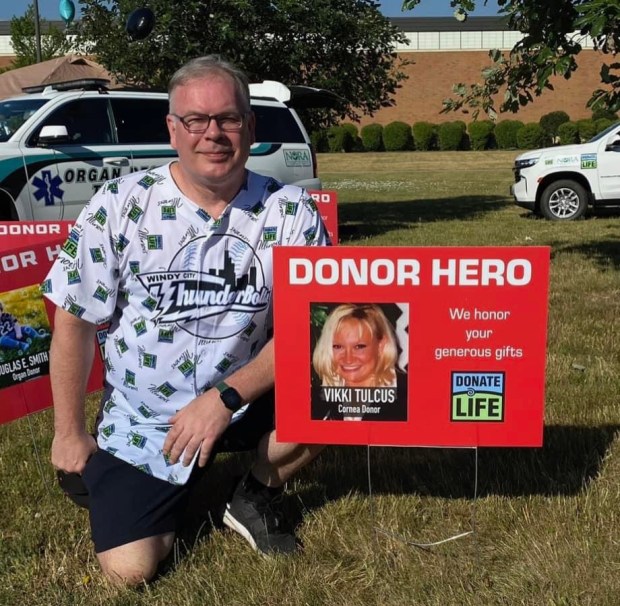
{"x": 554, "y": 128}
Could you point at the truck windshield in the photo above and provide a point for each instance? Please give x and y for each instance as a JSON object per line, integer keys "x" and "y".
{"x": 13, "y": 113}
{"x": 604, "y": 132}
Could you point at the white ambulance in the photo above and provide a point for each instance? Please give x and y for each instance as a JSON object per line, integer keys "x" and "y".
{"x": 58, "y": 145}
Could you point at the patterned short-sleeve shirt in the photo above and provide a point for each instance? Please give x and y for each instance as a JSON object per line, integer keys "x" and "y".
{"x": 187, "y": 297}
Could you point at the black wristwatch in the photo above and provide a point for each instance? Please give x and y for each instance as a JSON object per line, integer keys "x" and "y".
{"x": 230, "y": 396}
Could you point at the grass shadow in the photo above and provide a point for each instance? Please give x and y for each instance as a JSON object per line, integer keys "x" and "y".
{"x": 603, "y": 212}
{"x": 358, "y": 220}
{"x": 605, "y": 252}
{"x": 570, "y": 458}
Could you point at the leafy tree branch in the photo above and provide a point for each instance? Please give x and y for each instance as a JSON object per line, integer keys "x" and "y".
{"x": 553, "y": 35}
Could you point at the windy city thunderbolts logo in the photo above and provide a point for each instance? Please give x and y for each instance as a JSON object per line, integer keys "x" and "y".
{"x": 212, "y": 289}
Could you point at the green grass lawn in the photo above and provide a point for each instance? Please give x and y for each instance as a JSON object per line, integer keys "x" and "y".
{"x": 547, "y": 521}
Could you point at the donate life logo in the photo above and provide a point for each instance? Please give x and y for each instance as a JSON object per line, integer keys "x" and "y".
{"x": 478, "y": 396}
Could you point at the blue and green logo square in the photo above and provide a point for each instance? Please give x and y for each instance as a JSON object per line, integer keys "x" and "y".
{"x": 477, "y": 396}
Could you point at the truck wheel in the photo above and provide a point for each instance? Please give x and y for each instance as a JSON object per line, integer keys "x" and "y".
{"x": 563, "y": 200}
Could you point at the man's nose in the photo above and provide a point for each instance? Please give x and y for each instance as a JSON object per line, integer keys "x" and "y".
{"x": 213, "y": 130}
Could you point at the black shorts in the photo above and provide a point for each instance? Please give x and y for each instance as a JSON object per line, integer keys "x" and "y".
{"x": 126, "y": 504}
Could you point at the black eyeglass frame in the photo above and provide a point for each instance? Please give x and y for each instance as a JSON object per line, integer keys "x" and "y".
{"x": 209, "y": 117}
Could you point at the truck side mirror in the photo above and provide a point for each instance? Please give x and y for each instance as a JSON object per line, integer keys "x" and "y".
{"x": 53, "y": 134}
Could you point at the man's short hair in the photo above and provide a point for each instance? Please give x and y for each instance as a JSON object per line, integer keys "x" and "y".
{"x": 212, "y": 65}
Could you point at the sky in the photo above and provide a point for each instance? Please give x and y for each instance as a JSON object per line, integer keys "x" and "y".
{"x": 48, "y": 9}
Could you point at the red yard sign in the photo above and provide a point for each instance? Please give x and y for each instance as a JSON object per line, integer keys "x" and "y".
{"x": 27, "y": 250}
{"x": 437, "y": 346}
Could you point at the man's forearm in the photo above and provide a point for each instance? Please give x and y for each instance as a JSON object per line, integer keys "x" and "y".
{"x": 71, "y": 357}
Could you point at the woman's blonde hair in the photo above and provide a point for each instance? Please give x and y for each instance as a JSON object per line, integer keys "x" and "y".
{"x": 371, "y": 316}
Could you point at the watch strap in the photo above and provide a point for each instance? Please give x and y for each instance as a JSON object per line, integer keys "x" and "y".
{"x": 222, "y": 386}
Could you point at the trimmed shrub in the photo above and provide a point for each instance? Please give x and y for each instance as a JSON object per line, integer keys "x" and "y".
{"x": 568, "y": 133}
{"x": 465, "y": 138}
{"x": 531, "y": 136}
{"x": 604, "y": 113}
{"x": 339, "y": 139}
{"x": 551, "y": 122}
{"x": 587, "y": 130}
{"x": 506, "y": 133}
{"x": 450, "y": 135}
{"x": 602, "y": 123}
{"x": 318, "y": 140}
{"x": 481, "y": 134}
{"x": 356, "y": 145}
{"x": 372, "y": 137}
{"x": 397, "y": 136}
{"x": 424, "y": 136}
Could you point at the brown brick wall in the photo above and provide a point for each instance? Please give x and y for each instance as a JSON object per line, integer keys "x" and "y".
{"x": 432, "y": 74}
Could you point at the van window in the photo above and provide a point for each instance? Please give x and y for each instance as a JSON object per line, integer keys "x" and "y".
{"x": 141, "y": 120}
{"x": 14, "y": 113}
{"x": 276, "y": 125}
{"x": 86, "y": 120}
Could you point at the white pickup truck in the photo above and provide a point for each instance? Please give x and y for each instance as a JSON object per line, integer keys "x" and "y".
{"x": 560, "y": 182}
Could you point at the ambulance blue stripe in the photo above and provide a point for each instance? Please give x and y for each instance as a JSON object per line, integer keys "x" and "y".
{"x": 264, "y": 149}
{"x": 12, "y": 164}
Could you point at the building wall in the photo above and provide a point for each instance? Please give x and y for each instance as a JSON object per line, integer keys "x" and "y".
{"x": 432, "y": 74}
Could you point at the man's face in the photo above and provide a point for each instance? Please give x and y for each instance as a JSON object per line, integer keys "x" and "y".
{"x": 215, "y": 157}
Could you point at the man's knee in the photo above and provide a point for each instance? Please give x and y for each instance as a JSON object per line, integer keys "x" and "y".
{"x": 124, "y": 572}
{"x": 137, "y": 562}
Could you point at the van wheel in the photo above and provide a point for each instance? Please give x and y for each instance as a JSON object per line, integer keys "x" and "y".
{"x": 7, "y": 208}
{"x": 563, "y": 200}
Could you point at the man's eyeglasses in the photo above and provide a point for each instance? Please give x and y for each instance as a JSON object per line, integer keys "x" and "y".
{"x": 199, "y": 123}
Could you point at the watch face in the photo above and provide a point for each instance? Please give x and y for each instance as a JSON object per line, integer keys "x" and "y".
{"x": 232, "y": 399}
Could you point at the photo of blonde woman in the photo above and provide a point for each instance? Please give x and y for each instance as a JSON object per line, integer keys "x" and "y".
{"x": 355, "y": 362}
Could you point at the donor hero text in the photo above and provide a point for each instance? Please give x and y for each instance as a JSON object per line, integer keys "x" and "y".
{"x": 410, "y": 272}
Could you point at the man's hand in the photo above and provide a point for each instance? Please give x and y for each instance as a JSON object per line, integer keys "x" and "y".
{"x": 70, "y": 452}
{"x": 197, "y": 427}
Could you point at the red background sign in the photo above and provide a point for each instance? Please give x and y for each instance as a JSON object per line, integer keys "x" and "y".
{"x": 475, "y": 324}
{"x": 27, "y": 250}
{"x": 327, "y": 203}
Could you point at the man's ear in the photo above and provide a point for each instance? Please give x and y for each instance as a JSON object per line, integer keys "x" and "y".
{"x": 252, "y": 126}
{"x": 171, "y": 123}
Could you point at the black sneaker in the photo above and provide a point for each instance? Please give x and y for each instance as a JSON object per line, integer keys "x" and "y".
{"x": 257, "y": 516}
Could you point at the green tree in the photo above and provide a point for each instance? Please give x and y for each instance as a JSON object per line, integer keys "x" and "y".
{"x": 54, "y": 41}
{"x": 346, "y": 46}
{"x": 547, "y": 49}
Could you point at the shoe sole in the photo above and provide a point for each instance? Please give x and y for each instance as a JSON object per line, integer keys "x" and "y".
{"x": 239, "y": 528}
